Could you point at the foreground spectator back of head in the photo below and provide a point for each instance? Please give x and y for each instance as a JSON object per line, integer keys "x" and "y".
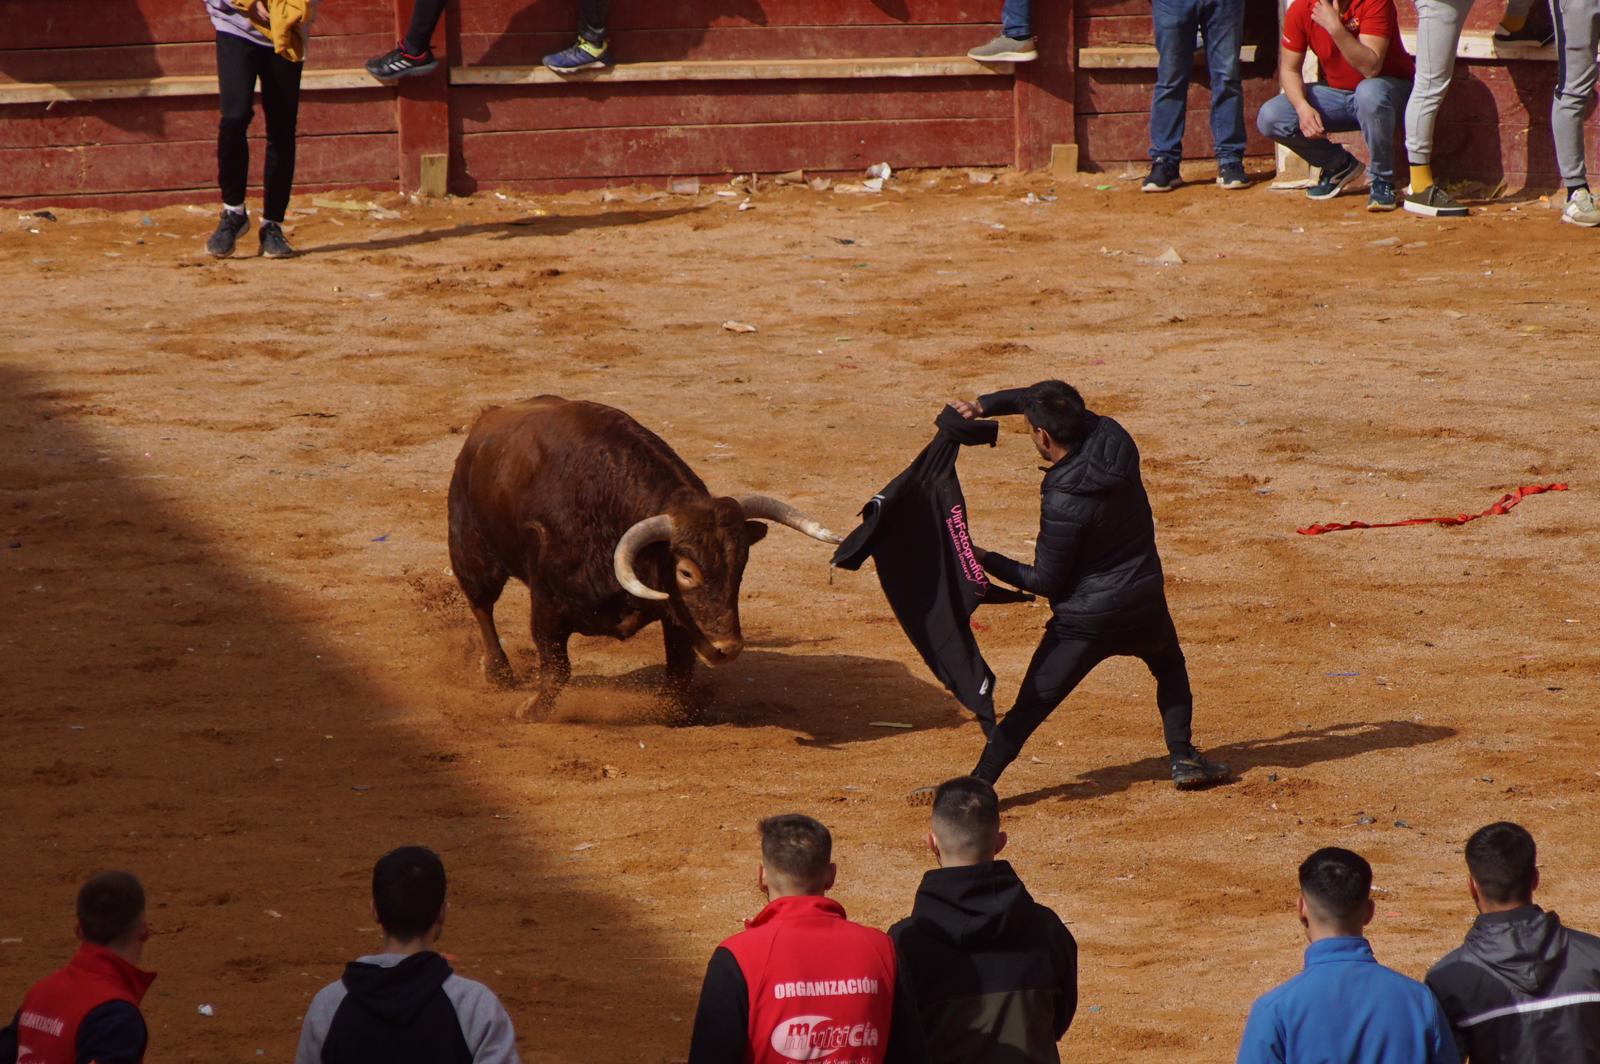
{"x": 404, "y": 1004}
{"x": 996, "y": 973}
{"x": 1344, "y": 1006}
{"x": 801, "y": 982}
{"x": 89, "y": 1009}
{"x": 1522, "y": 989}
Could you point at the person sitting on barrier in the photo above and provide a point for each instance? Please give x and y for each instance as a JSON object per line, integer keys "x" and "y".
{"x": 89, "y": 1010}
{"x": 250, "y": 50}
{"x": 1344, "y": 1006}
{"x": 801, "y": 982}
{"x": 1366, "y": 79}
{"x": 996, "y": 972}
{"x": 1522, "y": 988}
{"x": 1015, "y": 43}
{"x": 404, "y": 1004}
{"x": 413, "y": 56}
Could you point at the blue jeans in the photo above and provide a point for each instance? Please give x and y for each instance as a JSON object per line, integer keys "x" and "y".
{"x": 1372, "y": 108}
{"x": 1014, "y": 20}
{"x": 1221, "y": 23}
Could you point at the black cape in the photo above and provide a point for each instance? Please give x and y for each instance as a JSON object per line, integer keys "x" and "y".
{"x": 916, "y": 530}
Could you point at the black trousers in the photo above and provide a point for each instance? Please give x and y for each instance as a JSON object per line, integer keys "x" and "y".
{"x": 240, "y": 64}
{"x": 1060, "y": 664}
{"x": 425, "y": 15}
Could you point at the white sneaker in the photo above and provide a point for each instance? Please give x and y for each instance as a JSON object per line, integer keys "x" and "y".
{"x": 1581, "y": 209}
{"x": 1005, "y": 49}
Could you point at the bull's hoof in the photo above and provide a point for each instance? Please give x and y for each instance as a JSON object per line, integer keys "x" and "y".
{"x": 535, "y": 710}
{"x": 498, "y": 674}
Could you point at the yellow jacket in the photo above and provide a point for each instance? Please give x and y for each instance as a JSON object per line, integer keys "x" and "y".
{"x": 286, "y": 25}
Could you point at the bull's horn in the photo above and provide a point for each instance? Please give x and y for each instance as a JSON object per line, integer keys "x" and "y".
{"x": 770, "y": 509}
{"x": 650, "y": 530}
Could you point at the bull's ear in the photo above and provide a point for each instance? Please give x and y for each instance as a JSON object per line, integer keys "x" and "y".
{"x": 755, "y": 531}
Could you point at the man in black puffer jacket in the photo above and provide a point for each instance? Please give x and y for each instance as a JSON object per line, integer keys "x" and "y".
{"x": 1522, "y": 989}
{"x": 1096, "y": 561}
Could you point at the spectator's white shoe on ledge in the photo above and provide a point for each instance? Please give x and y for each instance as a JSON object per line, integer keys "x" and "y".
{"x": 1005, "y": 50}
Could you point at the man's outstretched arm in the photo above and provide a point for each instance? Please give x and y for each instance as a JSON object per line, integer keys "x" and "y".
{"x": 995, "y": 404}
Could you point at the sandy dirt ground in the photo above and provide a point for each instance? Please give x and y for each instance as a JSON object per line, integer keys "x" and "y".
{"x": 236, "y": 662}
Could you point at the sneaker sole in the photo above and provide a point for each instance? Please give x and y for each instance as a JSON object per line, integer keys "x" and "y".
{"x": 1199, "y": 784}
{"x": 1381, "y": 208}
{"x": 1232, "y": 186}
{"x": 1005, "y": 57}
{"x": 922, "y": 796}
{"x": 1435, "y": 212}
{"x": 596, "y": 65}
{"x": 229, "y": 253}
{"x": 1148, "y": 187}
{"x": 1570, "y": 220}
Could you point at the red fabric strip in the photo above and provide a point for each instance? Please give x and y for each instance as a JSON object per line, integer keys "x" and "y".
{"x": 1506, "y": 503}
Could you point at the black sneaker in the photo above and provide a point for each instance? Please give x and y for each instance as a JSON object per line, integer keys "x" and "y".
{"x": 1191, "y": 771}
{"x": 273, "y": 245}
{"x": 1434, "y": 202}
{"x": 1335, "y": 178}
{"x": 1163, "y": 177}
{"x": 398, "y": 63}
{"x": 1231, "y": 175}
{"x": 229, "y": 226}
{"x": 1528, "y": 34}
{"x": 1380, "y": 196}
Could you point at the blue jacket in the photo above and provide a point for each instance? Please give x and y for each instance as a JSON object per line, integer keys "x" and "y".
{"x": 1346, "y": 1008}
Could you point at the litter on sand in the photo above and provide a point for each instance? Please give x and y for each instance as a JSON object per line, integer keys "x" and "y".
{"x": 739, "y": 326}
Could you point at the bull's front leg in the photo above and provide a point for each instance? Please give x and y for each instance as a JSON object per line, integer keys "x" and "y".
{"x": 555, "y": 668}
{"x": 680, "y": 668}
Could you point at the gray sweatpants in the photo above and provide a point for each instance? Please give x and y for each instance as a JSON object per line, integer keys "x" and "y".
{"x": 1439, "y": 25}
{"x": 1577, "y": 38}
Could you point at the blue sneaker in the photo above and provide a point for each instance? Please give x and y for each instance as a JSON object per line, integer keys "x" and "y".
{"x": 584, "y": 55}
{"x": 1335, "y": 178}
{"x": 1380, "y": 197}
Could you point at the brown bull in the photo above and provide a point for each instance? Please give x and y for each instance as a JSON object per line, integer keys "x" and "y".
{"x": 609, "y": 529}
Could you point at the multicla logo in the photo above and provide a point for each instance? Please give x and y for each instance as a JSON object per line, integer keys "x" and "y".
{"x": 819, "y": 1037}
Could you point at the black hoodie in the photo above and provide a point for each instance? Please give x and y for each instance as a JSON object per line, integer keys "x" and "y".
{"x": 1522, "y": 989}
{"x": 1095, "y": 558}
{"x": 996, "y": 973}
{"x": 405, "y": 1010}
{"x": 916, "y": 529}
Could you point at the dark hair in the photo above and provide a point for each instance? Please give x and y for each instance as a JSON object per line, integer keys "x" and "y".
{"x": 109, "y": 906}
{"x": 1504, "y": 860}
{"x": 408, "y": 891}
{"x": 966, "y": 814}
{"x": 796, "y": 847}
{"x": 1338, "y": 881}
{"x": 1056, "y": 407}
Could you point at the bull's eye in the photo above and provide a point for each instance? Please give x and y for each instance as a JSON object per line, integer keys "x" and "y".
{"x": 688, "y": 575}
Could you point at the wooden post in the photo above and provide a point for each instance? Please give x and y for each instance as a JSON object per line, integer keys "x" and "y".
{"x": 1045, "y": 94}
{"x": 422, "y": 105}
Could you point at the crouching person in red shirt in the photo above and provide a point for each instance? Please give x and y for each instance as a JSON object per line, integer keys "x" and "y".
{"x": 88, "y": 1011}
{"x": 801, "y": 982}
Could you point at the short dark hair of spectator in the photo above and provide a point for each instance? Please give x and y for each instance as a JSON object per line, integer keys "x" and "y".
{"x": 408, "y": 891}
{"x": 966, "y": 817}
{"x": 1504, "y": 861}
{"x": 1337, "y": 882}
{"x": 797, "y": 848}
{"x": 109, "y": 906}
{"x": 1056, "y": 407}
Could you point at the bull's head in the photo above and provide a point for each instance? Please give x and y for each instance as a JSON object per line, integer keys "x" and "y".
{"x": 709, "y": 542}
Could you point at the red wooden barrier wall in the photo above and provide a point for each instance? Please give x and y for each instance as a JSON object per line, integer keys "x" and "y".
{"x": 124, "y": 152}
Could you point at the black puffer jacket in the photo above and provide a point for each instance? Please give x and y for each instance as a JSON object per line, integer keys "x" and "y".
{"x": 1095, "y": 558}
{"x": 1522, "y": 989}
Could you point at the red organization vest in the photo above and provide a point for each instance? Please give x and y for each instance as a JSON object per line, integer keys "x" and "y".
{"x": 47, "y": 1025}
{"x": 821, "y": 987}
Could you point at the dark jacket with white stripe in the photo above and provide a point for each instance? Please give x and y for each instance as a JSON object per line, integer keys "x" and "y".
{"x": 1522, "y": 989}
{"x": 996, "y": 973}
